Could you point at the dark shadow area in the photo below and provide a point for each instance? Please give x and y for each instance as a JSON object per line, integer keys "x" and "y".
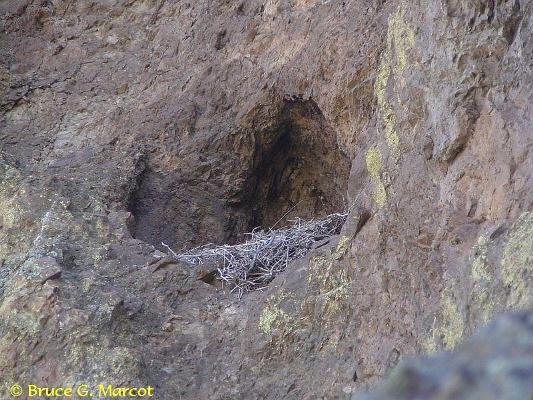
{"x": 282, "y": 162}
{"x": 302, "y": 174}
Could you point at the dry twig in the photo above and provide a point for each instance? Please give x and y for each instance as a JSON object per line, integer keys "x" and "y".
{"x": 253, "y": 264}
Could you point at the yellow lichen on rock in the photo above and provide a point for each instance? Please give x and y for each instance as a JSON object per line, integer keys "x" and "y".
{"x": 387, "y": 113}
{"x": 9, "y": 211}
{"x": 374, "y": 165}
{"x": 342, "y": 247}
{"x": 327, "y": 293}
{"x": 331, "y": 282}
{"x": 448, "y": 325}
{"x": 479, "y": 267}
{"x": 517, "y": 262}
{"x": 401, "y": 36}
{"x": 453, "y": 324}
{"x": 483, "y": 304}
{"x": 373, "y": 162}
{"x": 272, "y": 315}
{"x": 393, "y": 62}
{"x": 429, "y": 344}
{"x": 16, "y": 228}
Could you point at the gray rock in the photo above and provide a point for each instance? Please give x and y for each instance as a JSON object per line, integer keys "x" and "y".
{"x": 124, "y": 124}
{"x": 497, "y": 363}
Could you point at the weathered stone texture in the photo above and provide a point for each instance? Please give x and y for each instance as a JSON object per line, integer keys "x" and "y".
{"x": 126, "y": 123}
{"x": 496, "y": 364}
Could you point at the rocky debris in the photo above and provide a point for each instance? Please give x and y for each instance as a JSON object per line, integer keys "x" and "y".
{"x": 47, "y": 269}
{"x": 124, "y": 124}
{"x": 497, "y": 363}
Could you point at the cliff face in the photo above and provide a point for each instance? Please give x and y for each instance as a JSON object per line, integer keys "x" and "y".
{"x": 127, "y": 123}
{"x": 496, "y": 363}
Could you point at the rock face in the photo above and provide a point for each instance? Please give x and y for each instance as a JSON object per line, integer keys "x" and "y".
{"x": 496, "y": 364}
{"x": 127, "y": 123}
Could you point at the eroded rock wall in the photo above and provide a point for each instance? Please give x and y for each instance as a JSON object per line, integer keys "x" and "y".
{"x": 495, "y": 364}
{"x": 125, "y": 123}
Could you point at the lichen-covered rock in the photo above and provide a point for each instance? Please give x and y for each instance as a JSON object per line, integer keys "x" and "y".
{"x": 126, "y": 123}
{"x": 497, "y": 363}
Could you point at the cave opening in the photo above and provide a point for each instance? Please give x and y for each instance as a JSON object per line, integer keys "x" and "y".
{"x": 287, "y": 165}
{"x": 299, "y": 171}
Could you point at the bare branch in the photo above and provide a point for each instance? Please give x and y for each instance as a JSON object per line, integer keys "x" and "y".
{"x": 253, "y": 264}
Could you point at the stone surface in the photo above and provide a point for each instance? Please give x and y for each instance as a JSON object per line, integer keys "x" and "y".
{"x": 127, "y": 123}
{"x": 496, "y": 364}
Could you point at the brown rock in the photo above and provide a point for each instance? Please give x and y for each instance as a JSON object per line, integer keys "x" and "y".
{"x": 124, "y": 124}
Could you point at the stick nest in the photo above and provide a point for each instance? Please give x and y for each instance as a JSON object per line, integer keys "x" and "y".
{"x": 253, "y": 264}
